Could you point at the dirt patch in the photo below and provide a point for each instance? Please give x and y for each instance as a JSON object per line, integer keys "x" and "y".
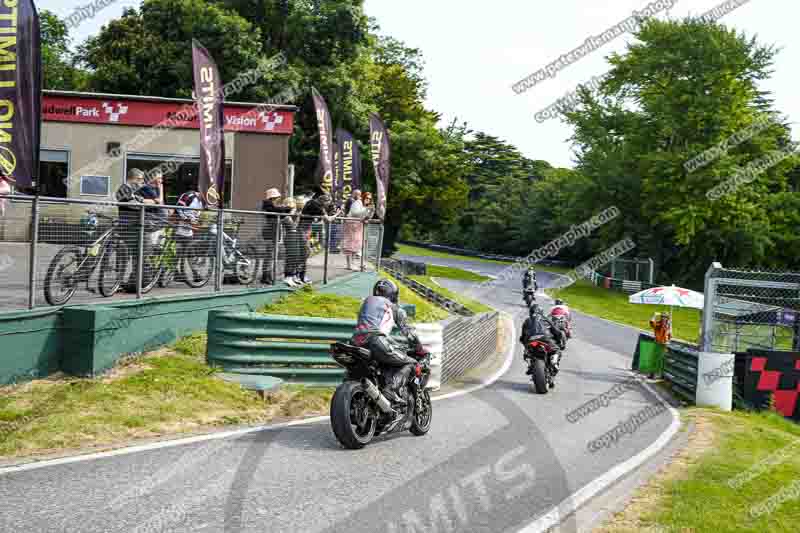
{"x": 649, "y": 496}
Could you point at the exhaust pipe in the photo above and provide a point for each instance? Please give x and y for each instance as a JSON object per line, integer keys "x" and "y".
{"x": 375, "y": 394}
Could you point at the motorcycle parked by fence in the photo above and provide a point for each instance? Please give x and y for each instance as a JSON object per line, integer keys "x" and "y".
{"x": 359, "y": 412}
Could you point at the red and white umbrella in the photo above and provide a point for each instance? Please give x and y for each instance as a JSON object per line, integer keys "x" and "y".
{"x": 672, "y": 296}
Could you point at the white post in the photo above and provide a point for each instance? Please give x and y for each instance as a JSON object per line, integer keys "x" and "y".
{"x": 715, "y": 380}
{"x": 431, "y": 335}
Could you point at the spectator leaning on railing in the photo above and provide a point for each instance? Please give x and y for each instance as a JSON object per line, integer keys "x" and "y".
{"x": 271, "y": 204}
{"x": 133, "y": 192}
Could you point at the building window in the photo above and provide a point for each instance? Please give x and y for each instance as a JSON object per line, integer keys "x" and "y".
{"x": 95, "y": 185}
{"x": 180, "y": 174}
{"x": 53, "y": 169}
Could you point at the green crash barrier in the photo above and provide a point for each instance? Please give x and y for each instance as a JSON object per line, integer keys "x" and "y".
{"x": 294, "y": 349}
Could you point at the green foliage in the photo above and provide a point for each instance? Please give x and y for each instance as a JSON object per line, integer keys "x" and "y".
{"x": 58, "y": 71}
{"x": 149, "y": 51}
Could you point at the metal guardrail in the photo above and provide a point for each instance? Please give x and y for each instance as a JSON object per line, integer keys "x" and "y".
{"x": 429, "y": 294}
{"x": 294, "y": 349}
{"x": 680, "y": 370}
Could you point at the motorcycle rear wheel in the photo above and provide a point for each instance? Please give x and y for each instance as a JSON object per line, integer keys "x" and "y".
{"x": 352, "y": 420}
{"x": 539, "y": 376}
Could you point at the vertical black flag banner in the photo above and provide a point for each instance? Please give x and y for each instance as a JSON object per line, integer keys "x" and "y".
{"x": 208, "y": 95}
{"x": 349, "y": 162}
{"x": 325, "y": 141}
{"x": 20, "y": 91}
{"x": 381, "y": 157}
{"x": 336, "y": 189}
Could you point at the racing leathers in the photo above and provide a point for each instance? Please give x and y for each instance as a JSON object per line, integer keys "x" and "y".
{"x": 538, "y": 325}
{"x": 377, "y": 318}
{"x": 529, "y": 280}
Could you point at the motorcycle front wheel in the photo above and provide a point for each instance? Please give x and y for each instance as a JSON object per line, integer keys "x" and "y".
{"x": 423, "y": 414}
{"x": 352, "y": 419}
{"x": 539, "y": 376}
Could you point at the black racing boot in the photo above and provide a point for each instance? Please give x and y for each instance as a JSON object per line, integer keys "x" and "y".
{"x": 392, "y": 396}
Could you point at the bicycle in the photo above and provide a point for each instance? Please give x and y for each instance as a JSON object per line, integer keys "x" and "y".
{"x": 74, "y": 264}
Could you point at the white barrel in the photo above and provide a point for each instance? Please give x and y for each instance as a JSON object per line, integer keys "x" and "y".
{"x": 431, "y": 335}
{"x": 715, "y": 380}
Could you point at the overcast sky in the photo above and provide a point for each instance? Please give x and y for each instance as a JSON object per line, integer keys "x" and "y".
{"x": 476, "y": 50}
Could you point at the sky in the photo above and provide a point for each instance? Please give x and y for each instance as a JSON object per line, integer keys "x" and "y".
{"x": 475, "y": 51}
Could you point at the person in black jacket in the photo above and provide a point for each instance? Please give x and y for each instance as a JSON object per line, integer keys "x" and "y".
{"x": 320, "y": 205}
{"x": 270, "y": 205}
{"x": 537, "y": 325}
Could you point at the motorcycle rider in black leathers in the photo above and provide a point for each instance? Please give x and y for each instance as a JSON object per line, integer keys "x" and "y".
{"x": 537, "y": 324}
{"x": 378, "y": 316}
{"x": 529, "y": 279}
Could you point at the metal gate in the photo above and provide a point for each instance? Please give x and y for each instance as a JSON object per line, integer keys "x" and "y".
{"x": 750, "y": 309}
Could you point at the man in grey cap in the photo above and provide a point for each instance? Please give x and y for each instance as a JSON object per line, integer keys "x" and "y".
{"x": 131, "y": 193}
{"x": 269, "y": 229}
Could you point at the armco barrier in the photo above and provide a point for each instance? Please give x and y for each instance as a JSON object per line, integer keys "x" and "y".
{"x": 295, "y": 349}
{"x": 680, "y": 370}
{"x": 278, "y": 346}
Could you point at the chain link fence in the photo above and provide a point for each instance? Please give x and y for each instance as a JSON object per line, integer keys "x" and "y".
{"x": 60, "y": 251}
{"x": 750, "y": 309}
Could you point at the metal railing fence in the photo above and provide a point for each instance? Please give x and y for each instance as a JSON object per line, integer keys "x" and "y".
{"x": 58, "y": 251}
{"x": 747, "y": 308}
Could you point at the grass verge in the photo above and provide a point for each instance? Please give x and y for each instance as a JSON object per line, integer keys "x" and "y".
{"x": 435, "y": 271}
{"x": 613, "y": 305}
{"x": 170, "y": 391}
{"x": 307, "y": 302}
{"x": 472, "y": 305}
{"x": 734, "y": 463}
{"x": 425, "y": 252}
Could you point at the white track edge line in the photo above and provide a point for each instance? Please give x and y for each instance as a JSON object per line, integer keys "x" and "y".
{"x": 577, "y": 499}
{"x": 238, "y": 432}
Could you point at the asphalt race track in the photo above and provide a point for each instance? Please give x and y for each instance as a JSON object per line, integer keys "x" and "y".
{"x": 497, "y": 459}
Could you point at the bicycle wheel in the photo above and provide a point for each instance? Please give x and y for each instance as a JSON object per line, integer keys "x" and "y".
{"x": 198, "y": 267}
{"x": 63, "y": 275}
{"x": 153, "y": 269}
{"x": 112, "y": 268}
{"x": 247, "y": 266}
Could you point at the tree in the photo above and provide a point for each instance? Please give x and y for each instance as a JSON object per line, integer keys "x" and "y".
{"x": 57, "y": 62}
{"x": 149, "y": 51}
{"x": 686, "y": 87}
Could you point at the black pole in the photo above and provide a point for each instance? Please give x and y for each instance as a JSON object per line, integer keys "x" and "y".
{"x": 34, "y": 241}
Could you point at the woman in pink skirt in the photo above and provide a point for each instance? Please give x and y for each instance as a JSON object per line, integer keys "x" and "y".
{"x": 354, "y": 229}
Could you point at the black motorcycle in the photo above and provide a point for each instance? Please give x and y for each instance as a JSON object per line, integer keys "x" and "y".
{"x": 540, "y": 356}
{"x": 359, "y": 411}
{"x": 529, "y": 295}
